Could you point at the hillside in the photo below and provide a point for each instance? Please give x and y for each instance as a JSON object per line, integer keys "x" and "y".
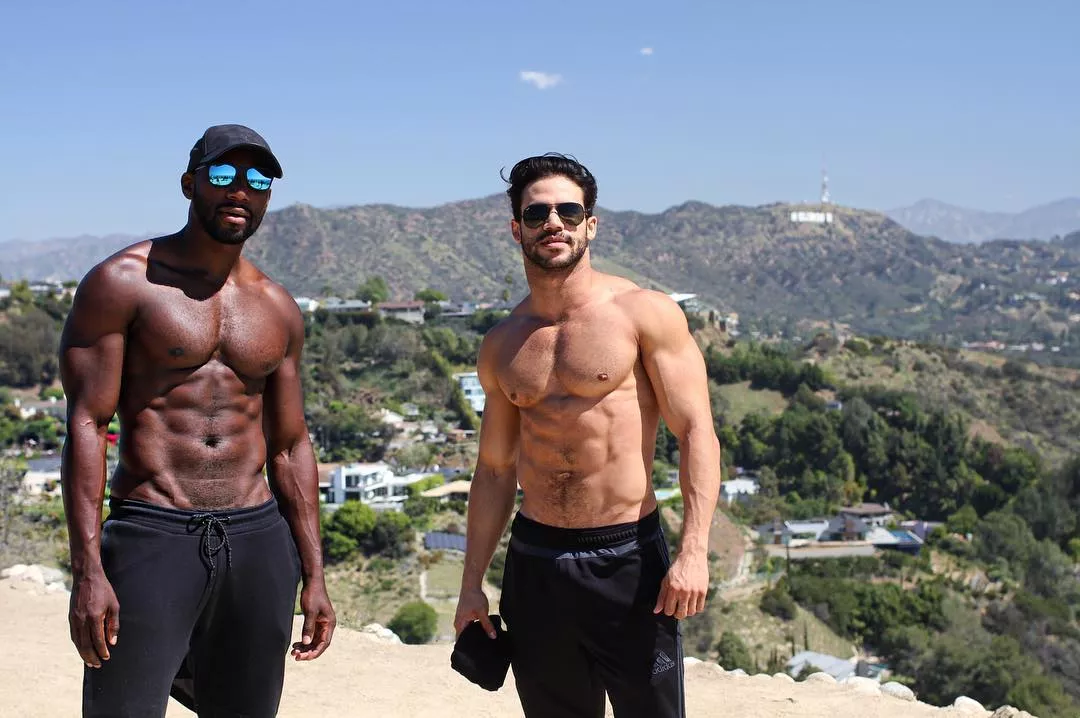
{"x": 864, "y": 270}
{"x": 960, "y": 224}
{"x": 1013, "y": 402}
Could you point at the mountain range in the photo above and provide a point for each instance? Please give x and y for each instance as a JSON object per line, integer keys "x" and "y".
{"x": 864, "y": 269}
{"x": 960, "y": 224}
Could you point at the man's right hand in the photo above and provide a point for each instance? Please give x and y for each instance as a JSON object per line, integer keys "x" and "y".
{"x": 472, "y": 606}
{"x": 94, "y": 617}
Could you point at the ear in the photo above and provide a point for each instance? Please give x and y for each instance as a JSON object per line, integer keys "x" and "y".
{"x": 187, "y": 185}
{"x": 590, "y": 227}
{"x": 515, "y": 229}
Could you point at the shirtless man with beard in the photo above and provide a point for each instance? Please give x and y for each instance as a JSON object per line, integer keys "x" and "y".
{"x": 190, "y": 584}
{"x": 576, "y": 380}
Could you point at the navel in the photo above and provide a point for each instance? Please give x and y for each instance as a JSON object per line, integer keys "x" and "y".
{"x": 212, "y": 441}
{"x": 513, "y": 396}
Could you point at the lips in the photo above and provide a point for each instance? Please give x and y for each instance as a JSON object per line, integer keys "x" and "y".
{"x": 234, "y": 215}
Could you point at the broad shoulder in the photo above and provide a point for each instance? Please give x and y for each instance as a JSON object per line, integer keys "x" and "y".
{"x": 273, "y": 294}
{"x": 656, "y": 316}
{"x": 118, "y": 277}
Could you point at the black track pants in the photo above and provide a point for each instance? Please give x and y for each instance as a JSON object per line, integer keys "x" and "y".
{"x": 206, "y": 609}
{"x": 579, "y": 606}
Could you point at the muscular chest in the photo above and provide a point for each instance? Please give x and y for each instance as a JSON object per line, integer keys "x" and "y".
{"x": 589, "y": 358}
{"x": 234, "y": 328}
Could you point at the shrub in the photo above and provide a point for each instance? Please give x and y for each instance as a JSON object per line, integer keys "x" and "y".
{"x": 414, "y": 623}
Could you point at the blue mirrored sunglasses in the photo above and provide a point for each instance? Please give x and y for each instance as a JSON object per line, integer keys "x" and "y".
{"x": 225, "y": 175}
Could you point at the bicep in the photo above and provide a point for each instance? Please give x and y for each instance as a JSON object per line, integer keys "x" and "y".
{"x": 499, "y": 428}
{"x": 92, "y": 348}
{"x": 676, "y": 369}
{"x": 501, "y": 421}
{"x": 283, "y": 398}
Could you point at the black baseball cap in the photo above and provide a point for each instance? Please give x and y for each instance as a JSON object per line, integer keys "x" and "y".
{"x": 219, "y": 139}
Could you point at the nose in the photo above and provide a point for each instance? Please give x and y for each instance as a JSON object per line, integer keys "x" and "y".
{"x": 554, "y": 221}
{"x": 236, "y": 192}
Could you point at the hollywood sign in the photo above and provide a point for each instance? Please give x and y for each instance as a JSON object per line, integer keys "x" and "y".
{"x": 814, "y": 217}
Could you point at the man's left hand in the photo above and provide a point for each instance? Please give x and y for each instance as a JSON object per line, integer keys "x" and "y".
{"x": 319, "y": 622}
{"x": 683, "y": 590}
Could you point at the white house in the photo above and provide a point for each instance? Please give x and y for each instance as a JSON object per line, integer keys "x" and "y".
{"x": 738, "y": 489}
{"x": 306, "y": 304}
{"x": 373, "y": 484}
{"x": 470, "y": 386}
{"x": 411, "y": 312}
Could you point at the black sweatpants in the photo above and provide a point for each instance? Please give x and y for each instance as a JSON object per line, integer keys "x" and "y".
{"x": 578, "y": 604}
{"x": 206, "y": 608}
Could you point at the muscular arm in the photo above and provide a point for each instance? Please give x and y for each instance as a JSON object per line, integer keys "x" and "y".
{"x": 494, "y": 484}
{"x": 676, "y": 369}
{"x": 91, "y": 362}
{"x": 290, "y": 466}
{"x": 294, "y": 479}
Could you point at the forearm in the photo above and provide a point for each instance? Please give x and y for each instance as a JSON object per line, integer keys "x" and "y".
{"x": 491, "y": 499}
{"x": 699, "y": 482}
{"x": 294, "y": 479}
{"x": 82, "y": 478}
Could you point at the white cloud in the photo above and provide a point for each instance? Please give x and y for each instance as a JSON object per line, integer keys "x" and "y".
{"x": 646, "y": 51}
{"x": 542, "y": 80}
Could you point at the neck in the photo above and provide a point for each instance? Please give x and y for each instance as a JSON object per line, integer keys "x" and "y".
{"x": 200, "y": 251}
{"x": 554, "y": 292}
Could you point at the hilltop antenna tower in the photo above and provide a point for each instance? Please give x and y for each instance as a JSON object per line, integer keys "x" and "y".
{"x": 824, "y": 186}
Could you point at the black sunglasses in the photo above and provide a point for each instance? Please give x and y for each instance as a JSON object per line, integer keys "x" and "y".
{"x": 535, "y": 215}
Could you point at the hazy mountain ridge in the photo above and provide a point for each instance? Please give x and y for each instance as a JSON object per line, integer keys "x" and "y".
{"x": 864, "y": 269}
{"x": 963, "y": 225}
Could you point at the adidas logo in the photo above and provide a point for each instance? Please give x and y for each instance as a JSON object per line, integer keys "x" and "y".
{"x": 662, "y": 663}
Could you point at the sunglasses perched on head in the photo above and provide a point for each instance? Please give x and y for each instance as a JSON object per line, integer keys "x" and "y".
{"x": 535, "y": 215}
{"x": 224, "y": 175}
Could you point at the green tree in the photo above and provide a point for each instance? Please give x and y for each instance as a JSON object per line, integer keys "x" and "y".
{"x": 414, "y": 623}
{"x": 429, "y": 296}
{"x": 374, "y": 290}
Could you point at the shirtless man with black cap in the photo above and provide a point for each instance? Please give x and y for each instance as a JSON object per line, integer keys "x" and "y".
{"x": 577, "y": 378}
{"x": 189, "y": 586}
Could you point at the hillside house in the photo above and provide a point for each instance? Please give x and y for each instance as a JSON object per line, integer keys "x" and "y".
{"x": 336, "y": 305}
{"x": 470, "y": 386}
{"x": 454, "y": 491}
{"x": 54, "y": 407}
{"x": 411, "y": 312}
{"x": 871, "y": 514}
{"x": 373, "y": 484}
{"x": 740, "y": 489}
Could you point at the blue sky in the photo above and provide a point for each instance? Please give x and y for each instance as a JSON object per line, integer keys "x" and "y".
{"x": 420, "y": 103}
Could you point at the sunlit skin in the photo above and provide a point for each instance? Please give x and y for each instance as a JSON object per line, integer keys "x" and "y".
{"x": 161, "y": 334}
{"x": 576, "y": 380}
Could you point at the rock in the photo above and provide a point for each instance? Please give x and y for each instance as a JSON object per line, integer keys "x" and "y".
{"x": 380, "y": 632}
{"x": 738, "y": 673}
{"x": 820, "y": 677}
{"x": 56, "y": 587}
{"x": 968, "y": 705}
{"x": 898, "y": 690}
{"x": 690, "y": 660}
{"x": 14, "y": 571}
{"x": 761, "y": 677}
{"x": 783, "y": 677}
{"x": 1010, "y": 712}
{"x": 859, "y": 684}
{"x": 52, "y": 575}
